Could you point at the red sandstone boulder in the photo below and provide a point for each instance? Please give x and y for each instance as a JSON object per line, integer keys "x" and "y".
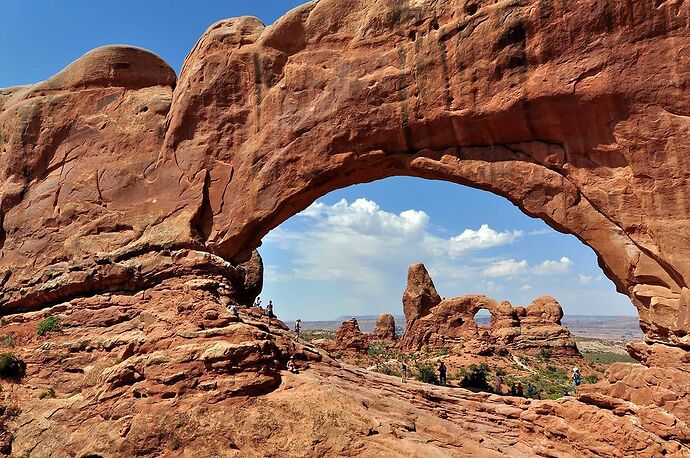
{"x": 350, "y": 337}
{"x": 385, "y": 328}
{"x": 420, "y": 295}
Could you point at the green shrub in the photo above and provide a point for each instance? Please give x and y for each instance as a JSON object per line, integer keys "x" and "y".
{"x": 387, "y": 369}
{"x": 11, "y": 366}
{"x": 549, "y": 383}
{"x": 377, "y": 350}
{"x": 426, "y": 373}
{"x": 475, "y": 376}
{"x": 8, "y": 340}
{"x": 316, "y": 334}
{"x": 49, "y": 393}
{"x": 591, "y": 378}
{"x": 545, "y": 354}
{"x": 50, "y": 323}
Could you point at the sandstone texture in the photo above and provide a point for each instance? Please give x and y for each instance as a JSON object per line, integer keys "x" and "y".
{"x": 350, "y": 337}
{"x": 432, "y": 322}
{"x": 132, "y": 202}
{"x": 385, "y": 328}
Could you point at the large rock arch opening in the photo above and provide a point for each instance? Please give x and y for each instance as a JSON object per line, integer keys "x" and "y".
{"x": 539, "y": 103}
{"x": 124, "y": 188}
{"x": 510, "y": 99}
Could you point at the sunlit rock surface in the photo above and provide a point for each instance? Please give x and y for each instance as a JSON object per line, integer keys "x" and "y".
{"x": 120, "y": 184}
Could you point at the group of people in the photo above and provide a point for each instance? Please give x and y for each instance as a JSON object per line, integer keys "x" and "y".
{"x": 515, "y": 389}
{"x": 235, "y": 312}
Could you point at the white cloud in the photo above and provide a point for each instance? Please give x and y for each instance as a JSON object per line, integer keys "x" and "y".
{"x": 366, "y": 217}
{"x": 549, "y": 267}
{"x": 361, "y": 242}
{"x": 506, "y": 268}
{"x": 511, "y": 268}
{"x": 545, "y": 231}
{"x": 585, "y": 279}
{"x": 481, "y": 239}
{"x": 526, "y": 287}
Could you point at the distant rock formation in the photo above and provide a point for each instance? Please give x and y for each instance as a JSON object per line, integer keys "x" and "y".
{"x": 350, "y": 337}
{"x": 385, "y": 328}
{"x": 434, "y": 323}
{"x": 420, "y": 295}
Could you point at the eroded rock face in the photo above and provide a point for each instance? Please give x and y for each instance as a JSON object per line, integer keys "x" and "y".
{"x": 112, "y": 159}
{"x": 451, "y": 323}
{"x": 350, "y": 337}
{"x": 385, "y": 328}
{"x": 120, "y": 185}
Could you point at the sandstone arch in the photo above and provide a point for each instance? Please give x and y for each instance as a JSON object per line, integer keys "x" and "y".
{"x": 106, "y": 180}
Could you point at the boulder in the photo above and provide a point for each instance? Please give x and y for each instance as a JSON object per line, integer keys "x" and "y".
{"x": 420, "y": 295}
{"x": 385, "y": 328}
{"x": 350, "y": 337}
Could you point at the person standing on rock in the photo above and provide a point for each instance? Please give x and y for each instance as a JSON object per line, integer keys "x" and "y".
{"x": 498, "y": 384}
{"x": 269, "y": 311}
{"x": 404, "y": 372}
{"x": 298, "y": 327}
{"x": 576, "y": 378}
{"x": 292, "y": 366}
{"x": 234, "y": 312}
{"x": 442, "y": 369}
{"x": 257, "y": 302}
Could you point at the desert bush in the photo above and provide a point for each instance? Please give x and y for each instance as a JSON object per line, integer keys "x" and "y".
{"x": 387, "y": 369}
{"x": 591, "y": 378}
{"x": 475, "y": 376}
{"x": 545, "y": 354}
{"x": 376, "y": 350}
{"x": 316, "y": 334}
{"x": 549, "y": 382}
{"x": 8, "y": 340}
{"x": 11, "y": 366}
{"x": 426, "y": 373}
{"x": 49, "y": 393}
{"x": 49, "y": 323}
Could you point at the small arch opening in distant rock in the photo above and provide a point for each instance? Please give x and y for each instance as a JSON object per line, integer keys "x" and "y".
{"x": 483, "y": 319}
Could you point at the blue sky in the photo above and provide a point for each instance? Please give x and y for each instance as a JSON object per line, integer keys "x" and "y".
{"x": 348, "y": 253}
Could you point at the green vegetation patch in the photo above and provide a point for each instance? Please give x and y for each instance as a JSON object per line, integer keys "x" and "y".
{"x": 316, "y": 334}
{"x": 602, "y": 357}
{"x": 49, "y": 324}
{"x": 8, "y": 340}
{"x": 11, "y": 366}
{"x": 426, "y": 373}
{"x": 49, "y": 393}
{"x": 475, "y": 376}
